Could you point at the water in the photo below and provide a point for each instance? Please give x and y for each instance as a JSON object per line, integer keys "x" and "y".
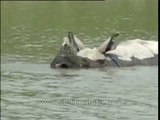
{"x": 31, "y": 36}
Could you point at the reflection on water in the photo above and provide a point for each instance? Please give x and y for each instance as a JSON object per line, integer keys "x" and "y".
{"x": 31, "y": 35}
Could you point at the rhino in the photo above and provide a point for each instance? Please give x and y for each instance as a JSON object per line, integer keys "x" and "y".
{"x": 74, "y": 54}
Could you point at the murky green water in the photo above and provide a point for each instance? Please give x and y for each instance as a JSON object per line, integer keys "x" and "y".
{"x": 31, "y": 35}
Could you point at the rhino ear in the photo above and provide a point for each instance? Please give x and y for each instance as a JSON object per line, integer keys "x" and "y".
{"x": 72, "y": 41}
{"x": 79, "y": 43}
{"x": 65, "y": 41}
{"x": 108, "y": 44}
{"x": 102, "y": 48}
{"x": 75, "y": 41}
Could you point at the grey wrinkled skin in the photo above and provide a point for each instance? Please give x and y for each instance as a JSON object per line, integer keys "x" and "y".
{"x": 66, "y": 58}
{"x": 135, "y": 62}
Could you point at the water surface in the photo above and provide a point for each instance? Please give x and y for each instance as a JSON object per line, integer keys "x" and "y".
{"x": 31, "y": 35}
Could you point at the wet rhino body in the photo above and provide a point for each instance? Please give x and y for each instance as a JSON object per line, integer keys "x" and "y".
{"x": 73, "y": 54}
